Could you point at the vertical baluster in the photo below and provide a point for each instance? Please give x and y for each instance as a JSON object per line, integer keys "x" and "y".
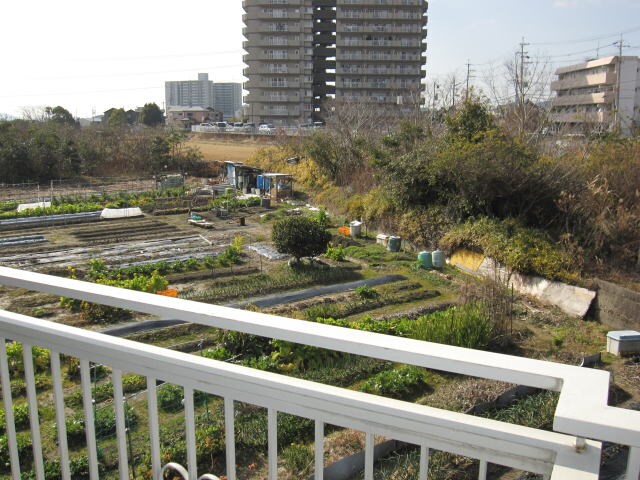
{"x": 121, "y": 433}
{"x": 482, "y": 471}
{"x": 319, "y": 450}
{"x": 56, "y": 378}
{"x": 89, "y": 422}
{"x": 272, "y": 441}
{"x": 34, "y": 420}
{"x": 633, "y": 463}
{"x": 424, "y": 462}
{"x": 8, "y": 411}
{"x": 190, "y": 424}
{"x": 369, "y": 447}
{"x": 154, "y": 430}
{"x": 230, "y": 435}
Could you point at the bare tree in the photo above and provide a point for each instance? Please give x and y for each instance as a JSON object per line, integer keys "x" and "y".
{"x": 520, "y": 90}
{"x": 35, "y": 114}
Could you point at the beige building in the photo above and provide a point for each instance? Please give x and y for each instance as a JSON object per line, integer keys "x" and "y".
{"x": 300, "y": 52}
{"x": 597, "y": 95}
{"x": 182, "y": 116}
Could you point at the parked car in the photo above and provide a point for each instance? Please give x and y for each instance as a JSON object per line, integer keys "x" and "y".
{"x": 265, "y": 128}
{"x": 222, "y": 126}
{"x": 249, "y": 127}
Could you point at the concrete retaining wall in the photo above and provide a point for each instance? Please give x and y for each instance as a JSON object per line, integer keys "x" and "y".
{"x": 617, "y": 306}
{"x": 570, "y": 299}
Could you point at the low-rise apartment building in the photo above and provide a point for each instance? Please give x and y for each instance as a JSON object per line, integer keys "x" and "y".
{"x": 597, "y": 95}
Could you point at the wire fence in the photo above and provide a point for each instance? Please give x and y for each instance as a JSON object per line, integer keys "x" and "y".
{"x": 32, "y": 192}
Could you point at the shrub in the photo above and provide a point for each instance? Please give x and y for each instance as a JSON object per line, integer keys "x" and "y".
{"x": 170, "y": 397}
{"x": 365, "y": 292}
{"x": 300, "y": 237}
{"x": 132, "y": 383}
{"x": 524, "y": 250}
{"x": 25, "y": 452}
{"x": 397, "y": 383}
{"x": 468, "y": 326}
{"x": 217, "y": 353}
{"x": 20, "y": 416}
{"x": 298, "y": 459}
{"x": 323, "y": 310}
{"x": 335, "y": 252}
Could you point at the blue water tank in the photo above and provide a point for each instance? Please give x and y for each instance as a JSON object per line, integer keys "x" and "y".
{"x": 437, "y": 258}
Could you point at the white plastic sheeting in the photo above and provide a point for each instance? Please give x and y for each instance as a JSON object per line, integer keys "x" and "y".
{"x": 27, "y": 206}
{"x": 109, "y": 213}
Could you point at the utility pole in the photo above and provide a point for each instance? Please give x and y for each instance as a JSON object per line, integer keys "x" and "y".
{"x": 469, "y": 72}
{"x": 618, "y": 117}
{"x": 453, "y": 92}
{"x": 523, "y": 57}
{"x": 521, "y": 85}
{"x": 433, "y": 101}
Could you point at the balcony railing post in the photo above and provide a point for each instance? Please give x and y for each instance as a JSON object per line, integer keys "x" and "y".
{"x": 154, "y": 430}
{"x": 369, "y": 450}
{"x": 56, "y": 379}
{"x": 633, "y": 464}
{"x": 89, "y": 422}
{"x": 319, "y": 450}
{"x": 118, "y": 401}
{"x": 424, "y": 462}
{"x": 190, "y": 432}
{"x": 482, "y": 470}
{"x": 8, "y": 411}
{"x": 230, "y": 436}
{"x": 34, "y": 420}
{"x": 272, "y": 426}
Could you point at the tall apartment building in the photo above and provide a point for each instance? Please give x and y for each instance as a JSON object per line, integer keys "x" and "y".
{"x": 190, "y": 93}
{"x": 598, "y": 94}
{"x": 227, "y": 98}
{"x": 299, "y": 52}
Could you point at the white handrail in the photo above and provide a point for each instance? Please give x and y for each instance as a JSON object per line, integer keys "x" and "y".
{"x": 583, "y": 392}
{"x": 582, "y": 408}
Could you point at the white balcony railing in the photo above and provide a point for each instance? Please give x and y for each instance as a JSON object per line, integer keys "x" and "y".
{"x": 572, "y": 451}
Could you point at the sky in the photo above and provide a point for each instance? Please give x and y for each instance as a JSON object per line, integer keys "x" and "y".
{"x": 89, "y": 56}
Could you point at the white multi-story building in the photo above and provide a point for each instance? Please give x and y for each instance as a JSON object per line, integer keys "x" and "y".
{"x": 601, "y": 94}
{"x": 190, "y": 93}
{"x": 227, "y": 98}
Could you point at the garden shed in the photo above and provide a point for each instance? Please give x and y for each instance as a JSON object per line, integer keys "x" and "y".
{"x": 277, "y": 186}
{"x": 241, "y": 176}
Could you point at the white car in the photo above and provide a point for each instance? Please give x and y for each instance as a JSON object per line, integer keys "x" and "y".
{"x": 265, "y": 128}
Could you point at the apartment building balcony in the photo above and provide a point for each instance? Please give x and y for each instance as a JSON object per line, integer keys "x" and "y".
{"x": 400, "y": 15}
{"x": 377, "y": 56}
{"x": 607, "y": 98}
{"x": 582, "y": 81}
{"x": 364, "y": 43}
{"x": 571, "y": 452}
{"x": 581, "y": 117}
{"x": 403, "y": 28}
{"x": 269, "y": 84}
{"x": 394, "y": 3}
{"x": 260, "y": 97}
{"x": 381, "y": 70}
{"x": 263, "y": 68}
{"x": 271, "y": 56}
{"x": 269, "y": 3}
{"x": 262, "y": 27}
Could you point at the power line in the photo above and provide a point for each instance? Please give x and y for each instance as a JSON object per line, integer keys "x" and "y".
{"x": 590, "y": 39}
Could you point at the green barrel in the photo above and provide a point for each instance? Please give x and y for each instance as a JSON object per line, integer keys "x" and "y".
{"x": 394, "y": 244}
{"x": 425, "y": 259}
